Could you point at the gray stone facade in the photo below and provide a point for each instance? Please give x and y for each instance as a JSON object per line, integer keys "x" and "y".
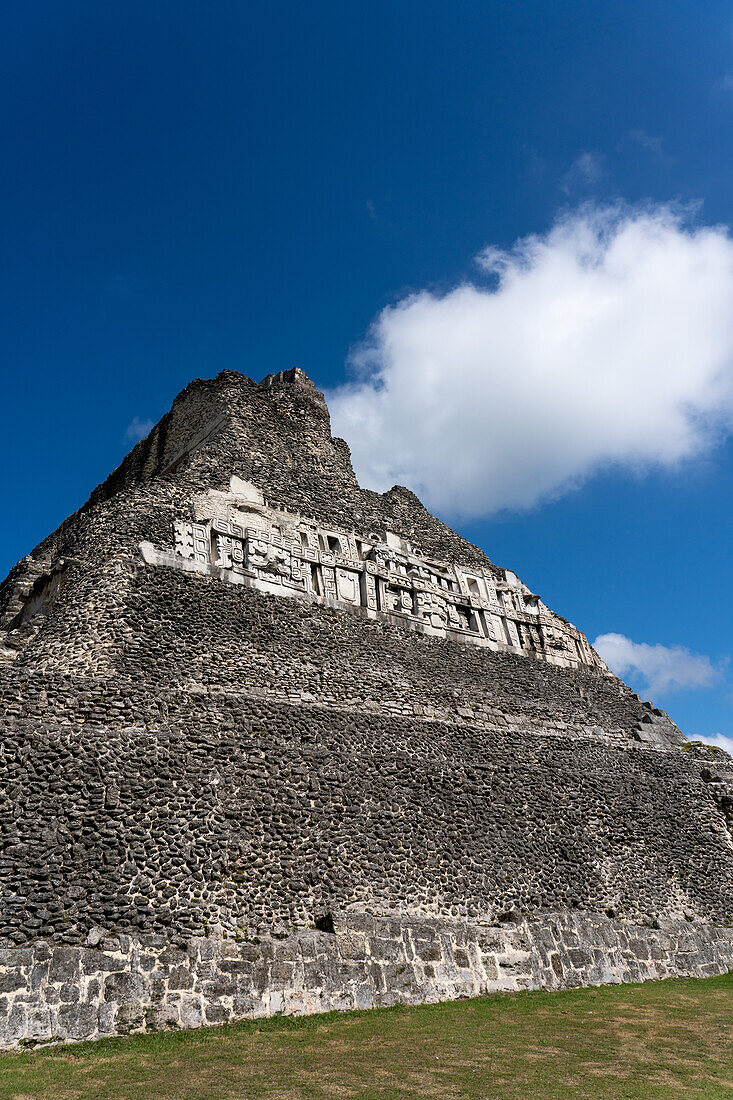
{"x": 134, "y": 984}
{"x": 197, "y": 772}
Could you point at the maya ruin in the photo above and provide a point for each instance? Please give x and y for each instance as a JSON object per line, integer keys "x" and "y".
{"x": 272, "y": 742}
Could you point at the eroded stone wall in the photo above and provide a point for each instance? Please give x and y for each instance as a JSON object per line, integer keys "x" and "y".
{"x": 150, "y": 807}
{"x": 174, "y": 630}
{"x": 51, "y": 994}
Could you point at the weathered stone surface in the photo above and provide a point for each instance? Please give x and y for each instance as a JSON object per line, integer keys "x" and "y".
{"x": 220, "y": 802}
{"x": 429, "y": 960}
{"x": 241, "y": 539}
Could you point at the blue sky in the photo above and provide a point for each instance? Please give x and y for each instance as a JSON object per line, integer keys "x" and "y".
{"x": 188, "y": 187}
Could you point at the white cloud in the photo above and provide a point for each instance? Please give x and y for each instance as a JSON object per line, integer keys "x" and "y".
{"x": 137, "y": 429}
{"x": 663, "y": 668}
{"x": 585, "y": 171}
{"x": 652, "y": 144}
{"x": 608, "y": 341}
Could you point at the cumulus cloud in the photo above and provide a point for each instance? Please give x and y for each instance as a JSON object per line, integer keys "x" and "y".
{"x": 663, "y": 668}
{"x": 137, "y": 429}
{"x": 607, "y": 341}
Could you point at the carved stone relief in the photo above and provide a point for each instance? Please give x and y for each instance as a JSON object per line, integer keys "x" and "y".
{"x": 248, "y": 541}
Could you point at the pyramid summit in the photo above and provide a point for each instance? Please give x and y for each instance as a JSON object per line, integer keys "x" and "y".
{"x": 275, "y": 742}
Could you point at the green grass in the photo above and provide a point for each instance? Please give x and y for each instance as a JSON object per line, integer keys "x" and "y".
{"x": 670, "y": 1039}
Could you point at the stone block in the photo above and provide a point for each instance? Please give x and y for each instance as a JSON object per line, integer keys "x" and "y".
{"x": 352, "y": 946}
{"x": 216, "y": 1013}
{"x": 15, "y": 1024}
{"x": 191, "y": 1011}
{"x": 107, "y": 1019}
{"x": 126, "y": 988}
{"x": 363, "y": 996}
{"x": 556, "y": 964}
{"x": 12, "y": 980}
{"x": 429, "y": 952}
{"x": 385, "y": 949}
{"x": 245, "y": 1004}
{"x": 77, "y": 1021}
{"x": 131, "y": 1016}
{"x": 579, "y": 958}
{"x": 180, "y": 977}
{"x": 65, "y": 964}
{"x": 39, "y": 1023}
{"x": 163, "y": 1017}
{"x": 17, "y": 957}
{"x": 96, "y": 962}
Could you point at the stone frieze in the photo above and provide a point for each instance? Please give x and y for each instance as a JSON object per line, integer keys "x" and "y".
{"x": 243, "y": 539}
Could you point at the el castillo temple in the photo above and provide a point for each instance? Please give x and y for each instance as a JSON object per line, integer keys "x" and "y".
{"x": 274, "y": 743}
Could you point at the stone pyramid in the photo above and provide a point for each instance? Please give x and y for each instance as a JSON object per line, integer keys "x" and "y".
{"x": 274, "y": 742}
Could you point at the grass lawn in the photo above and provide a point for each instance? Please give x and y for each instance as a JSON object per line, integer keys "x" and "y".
{"x": 662, "y": 1039}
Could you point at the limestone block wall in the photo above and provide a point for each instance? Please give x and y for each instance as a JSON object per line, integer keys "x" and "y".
{"x": 51, "y": 994}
